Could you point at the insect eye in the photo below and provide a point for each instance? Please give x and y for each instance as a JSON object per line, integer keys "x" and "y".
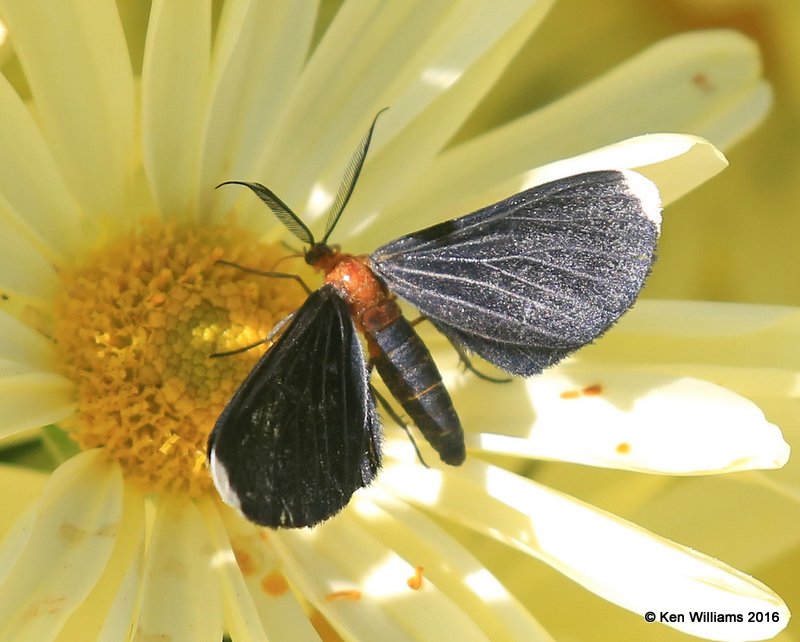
{"x": 318, "y": 252}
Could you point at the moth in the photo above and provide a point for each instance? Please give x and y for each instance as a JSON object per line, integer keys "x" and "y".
{"x": 522, "y": 283}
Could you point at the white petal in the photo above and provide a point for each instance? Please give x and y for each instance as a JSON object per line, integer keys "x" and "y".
{"x": 626, "y": 419}
{"x": 708, "y": 319}
{"x": 27, "y": 485}
{"x": 676, "y": 163}
{"x": 67, "y": 551}
{"x": 502, "y": 34}
{"x": 6, "y": 48}
{"x": 657, "y": 91}
{"x": 34, "y": 399}
{"x": 617, "y": 560}
{"x": 241, "y": 617}
{"x": 121, "y": 614}
{"x": 180, "y": 595}
{"x": 785, "y": 481}
{"x": 255, "y": 62}
{"x": 765, "y": 521}
{"x": 429, "y": 62}
{"x": 50, "y": 218}
{"x": 76, "y": 62}
{"x": 18, "y": 512}
{"x": 447, "y": 564}
{"x": 109, "y": 606}
{"x": 752, "y": 350}
{"x": 340, "y": 556}
{"x": 729, "y": 515}
{"x": 15, "y": 540}
{"x": 24, "y": 271}
{"x": 21, "y": 345}
{"x": 174, "y": 102}
{"x": 242, "y": 621}
{"x": 279, "y": 613}
{"x": 696, "y": 332}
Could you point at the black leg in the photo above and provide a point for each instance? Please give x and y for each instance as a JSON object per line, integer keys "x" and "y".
{"x": 278, "y": 327}
{"x": 276, "y": 275}
{"x": 467, "y": 363}
{"x": 295, "y": 255}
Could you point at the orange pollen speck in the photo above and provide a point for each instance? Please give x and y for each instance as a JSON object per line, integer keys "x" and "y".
{"x": 135, "y": 324}
{"x": 244, "y": 562}
{"x": 415, "y": 581}
{"x": 593, "y": 391}
{"x": 570, "y": 394}
{"x": 274, "y": 583}
{"x": 623, "y": 448}
{"x": 702, "y": 81}
{"x": 348, "y": 594}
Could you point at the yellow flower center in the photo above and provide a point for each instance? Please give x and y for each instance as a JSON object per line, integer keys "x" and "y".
{"x": 136, "y": 324}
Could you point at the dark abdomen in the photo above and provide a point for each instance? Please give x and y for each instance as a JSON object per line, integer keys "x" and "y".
{"x": 408, "y": 370}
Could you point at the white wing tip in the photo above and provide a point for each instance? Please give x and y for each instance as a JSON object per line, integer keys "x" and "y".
{"x": 646, "y": 192}
{"x": 220, "y": 476}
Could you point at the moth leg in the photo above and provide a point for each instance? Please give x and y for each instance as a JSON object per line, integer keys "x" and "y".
{"x": 278, "y": 327}
{"x": 464, "y": 358}
{"x": 294, "y": 255}
{"x": 398, "y": 420}
{"x": 467, "y": 363}
{"x": 277, "y": 275}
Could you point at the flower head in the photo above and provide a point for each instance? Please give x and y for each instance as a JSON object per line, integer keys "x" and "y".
{"x": 112, "y": 303}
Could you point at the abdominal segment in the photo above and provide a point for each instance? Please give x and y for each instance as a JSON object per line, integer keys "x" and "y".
{"x": 407, "y": 368}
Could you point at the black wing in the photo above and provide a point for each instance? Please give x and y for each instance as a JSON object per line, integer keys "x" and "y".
{"x": 526, "y": 281}
{"x": 301, "y": 434}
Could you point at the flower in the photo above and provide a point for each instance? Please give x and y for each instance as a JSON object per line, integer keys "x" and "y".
{"x": 112, "y": 303}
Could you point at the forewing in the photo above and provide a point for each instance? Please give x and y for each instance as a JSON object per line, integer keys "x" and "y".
{"x": 526, "y": 281}
{"x": 301, "y": 434}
